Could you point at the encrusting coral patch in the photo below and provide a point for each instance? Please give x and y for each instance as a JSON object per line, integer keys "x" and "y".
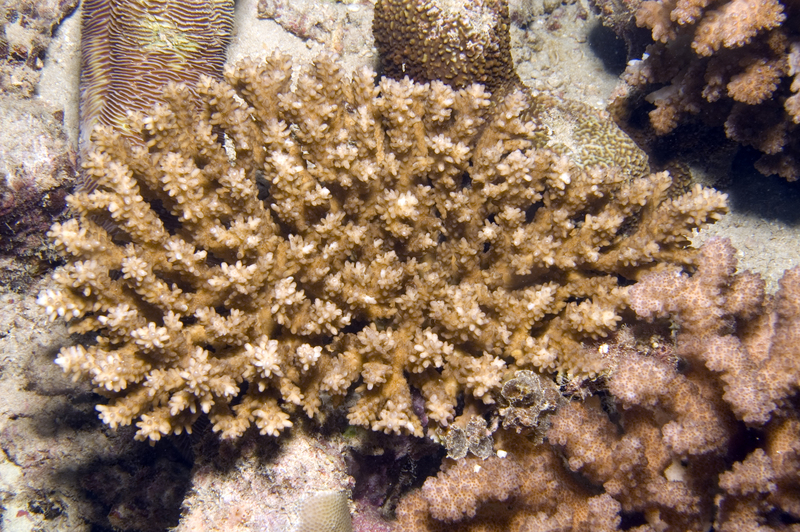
{"x": 393, "y": 242}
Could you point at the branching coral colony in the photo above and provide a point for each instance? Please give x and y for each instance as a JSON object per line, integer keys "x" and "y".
{"x": 271, "y": 248}
{"x": 666, "y": 448}
{"x": 731, "y": 62}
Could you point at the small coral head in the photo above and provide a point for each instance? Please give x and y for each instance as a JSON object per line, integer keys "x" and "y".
{"x": 457, "y": 41}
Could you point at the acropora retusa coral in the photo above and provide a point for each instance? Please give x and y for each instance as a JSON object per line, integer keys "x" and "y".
{"x": 244, "y": 259}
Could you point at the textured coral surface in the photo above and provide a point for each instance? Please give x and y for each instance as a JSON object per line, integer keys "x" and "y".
{"x": 394, "y": 239}
{"x": 130, "y": 49}
{"x": 700, "y": 434}
{"x": 732, "y": 64}
{"x": 457, "y": 42}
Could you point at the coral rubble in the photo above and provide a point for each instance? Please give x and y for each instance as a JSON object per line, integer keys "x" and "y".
{"x": 37, "y": 168}
{"x": 732, "y": 63}
{"x": 26, "y": 27}
{"x": 395, "y": 241}
{"x": 296, "y": 484}
{"x": 342, "y": 27}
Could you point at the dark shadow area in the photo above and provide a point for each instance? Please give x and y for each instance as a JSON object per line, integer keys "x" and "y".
{"x": 386, "y": 467}
{"x": 630, "y": 520}
{"x": 690, "y": 141}
{"x": 210, "y": 450}
{"x": 78, "y": 470}
{"x": 104, "y": 477}
{"x": 768, "y": 197}
{"x": 609, "y": 48}
{"x": 142, "y": 490}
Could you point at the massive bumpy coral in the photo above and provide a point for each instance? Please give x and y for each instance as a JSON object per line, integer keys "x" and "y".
{"x": 457, "y": 41}
{"x": 245, "y": 258}
{"x": 730, "y": 63}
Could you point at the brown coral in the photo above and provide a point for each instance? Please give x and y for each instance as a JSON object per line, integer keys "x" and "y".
{"x": 750, "y": 342}
{"x": 395, "y": 248}
{"x": 735, "y": 24}
{"x": 726, "y": 63}
{"x": 130, "y": 50}
{"x": 656, "y": 448}
{"x": 527, "y": 489}
{"x": 467, "y": 41}
{"x": 456, "y": 41}
{"x": 759, "y": 366}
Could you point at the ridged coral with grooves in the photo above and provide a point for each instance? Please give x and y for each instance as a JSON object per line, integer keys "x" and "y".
{"x": 130, "y": 49}
{"x": 246, "y": 260}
